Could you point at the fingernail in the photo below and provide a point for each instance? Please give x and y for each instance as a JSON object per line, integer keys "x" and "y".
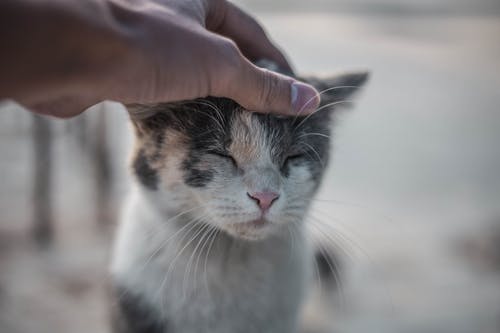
{"x": 305, "y": 99}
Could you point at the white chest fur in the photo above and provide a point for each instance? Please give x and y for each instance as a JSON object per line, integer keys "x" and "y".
{"x": 213, "y": 284}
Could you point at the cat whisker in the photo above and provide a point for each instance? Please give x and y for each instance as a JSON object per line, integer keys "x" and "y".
{"x": 178, "y": 254}
{"x": 333, "y": 267}
{"x": 212, "y": 241}
{"x": 291, "y": 214}
{"x": 295, "y": 208}
{"x": 344, "y": 234}
{"x": 219, "y": 121}
{"x": 163, "y": 244}
{"x": 227, "y": 208}
{"x": 360, "y": 249}
{"x": 384, "y": 215}
{"x": 225, "y": 199}
{"x": 308, "y": 153}
{"x": 298, "y": 214}
{"x": 315, "y": 152}
{"x": 337, "y": 239}
{"x": 292, "y": 241}
{"x": 235, "y": 214}
{"x": 323, "y": 107}
{"x": 315, "y": 263}
{"x": 297, "y": 202}
{"x": 319, "y": 94}
{"x": 205, "y": 242}
{"x": 313, "y": 134}
{"x": 191, "y": 258}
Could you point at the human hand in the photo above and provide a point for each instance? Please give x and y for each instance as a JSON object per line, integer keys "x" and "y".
{"x": 171, "y": 50}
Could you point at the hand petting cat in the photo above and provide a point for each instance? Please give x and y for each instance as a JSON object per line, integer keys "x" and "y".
{"x": 63, "y": 56}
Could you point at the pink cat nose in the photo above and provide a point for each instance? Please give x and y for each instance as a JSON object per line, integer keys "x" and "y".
{"x": 264, "y": 199}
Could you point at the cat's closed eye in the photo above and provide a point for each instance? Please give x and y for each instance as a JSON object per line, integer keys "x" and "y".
{"x": 225, "y": 156}
{"x": 292, "y": 158}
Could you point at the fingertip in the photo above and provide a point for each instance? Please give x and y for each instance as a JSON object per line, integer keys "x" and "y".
{"x": 264, "y": 91}
{"x": 304, "y": 98}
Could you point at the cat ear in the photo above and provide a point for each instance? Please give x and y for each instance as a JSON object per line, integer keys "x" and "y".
{"x": 338, "y": 89}
{"x": 140, "y": 112}
{"x": 149, "y": 118}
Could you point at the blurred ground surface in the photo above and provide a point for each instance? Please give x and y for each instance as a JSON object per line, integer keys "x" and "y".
{"x": 414, "y": 184}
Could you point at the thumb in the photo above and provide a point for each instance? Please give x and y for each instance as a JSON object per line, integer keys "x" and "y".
{"x": 261, "y": 90}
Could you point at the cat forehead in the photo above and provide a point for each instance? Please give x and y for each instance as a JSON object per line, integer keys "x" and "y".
{"x": 252, "y": 138}
{"x": 221, "y": 124}
{"x": 231, "y": 126}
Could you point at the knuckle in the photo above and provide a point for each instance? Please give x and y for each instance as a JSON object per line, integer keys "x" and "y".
{"x": 229, "y": 51}
{"x": 259, "y": 31}
{"x": 228, "y": 63}
{"x": 270, "y": 88}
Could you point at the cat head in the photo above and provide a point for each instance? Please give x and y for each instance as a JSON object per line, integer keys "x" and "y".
{"x": 245, "y": 173}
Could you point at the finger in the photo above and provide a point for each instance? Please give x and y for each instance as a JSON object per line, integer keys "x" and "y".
{"x": 261, "y": 90}
{"x": 230, "y": 21}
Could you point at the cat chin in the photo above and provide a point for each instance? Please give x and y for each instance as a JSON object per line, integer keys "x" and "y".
{"x": 253, "y": 230}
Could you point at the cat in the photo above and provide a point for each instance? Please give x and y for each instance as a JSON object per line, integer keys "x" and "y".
{"x": 212, "y": 237}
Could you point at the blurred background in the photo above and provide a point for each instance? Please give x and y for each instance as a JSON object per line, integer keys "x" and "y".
{"x": 412, "y": 197}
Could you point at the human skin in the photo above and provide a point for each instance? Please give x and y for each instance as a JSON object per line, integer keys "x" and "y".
{"x": 60, "y": 57}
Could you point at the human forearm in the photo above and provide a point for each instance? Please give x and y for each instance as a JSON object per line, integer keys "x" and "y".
{"x": 89, "y": 44}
